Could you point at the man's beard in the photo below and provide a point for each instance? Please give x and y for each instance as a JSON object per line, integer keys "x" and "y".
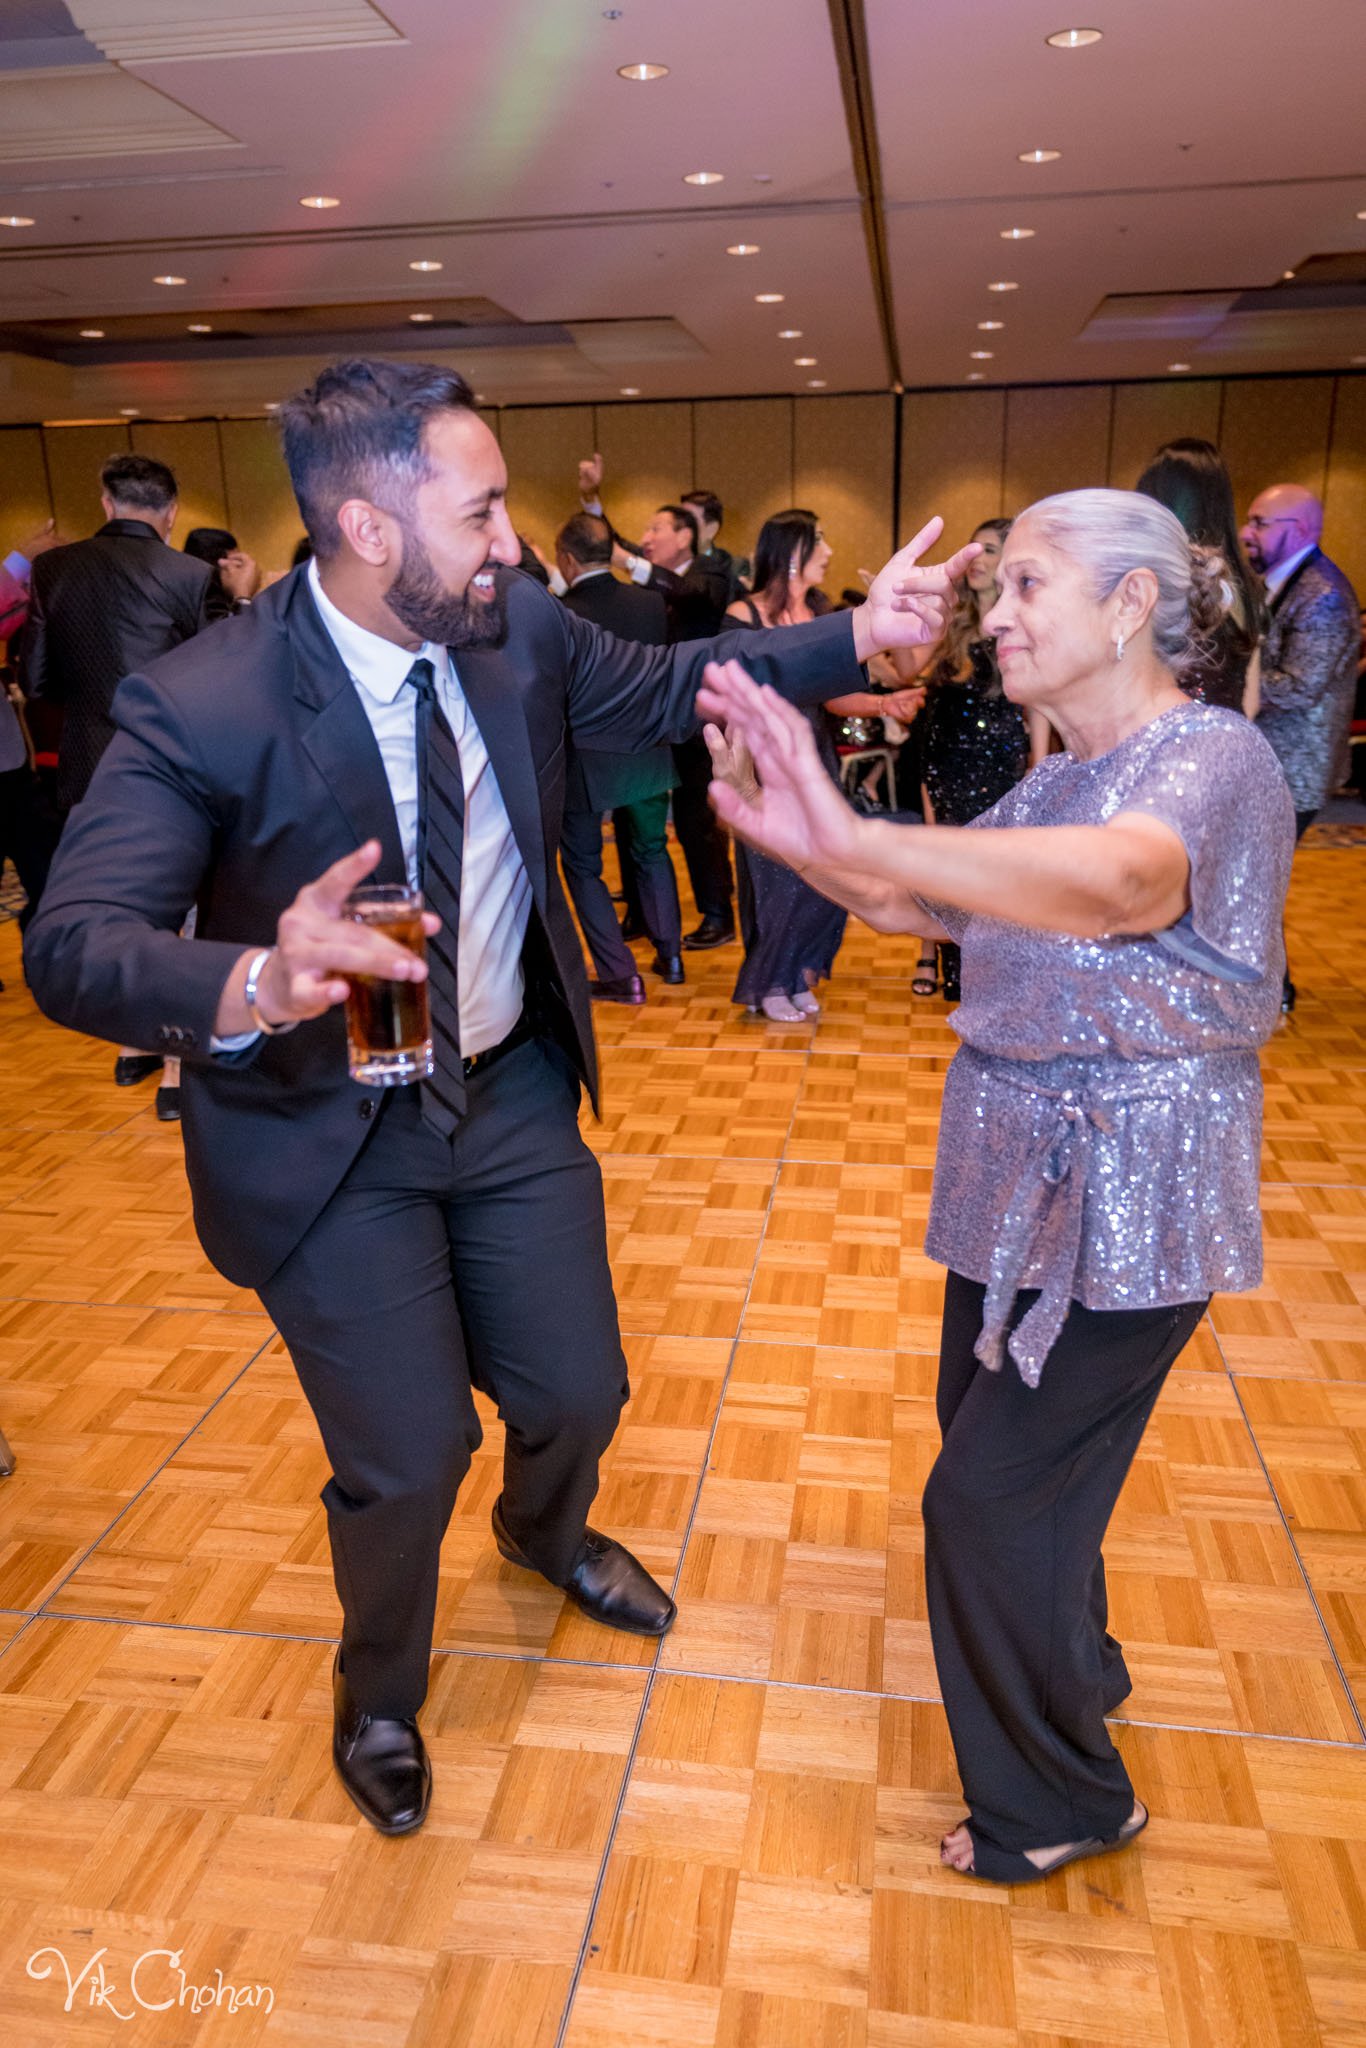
{"x": 420, "y": 600}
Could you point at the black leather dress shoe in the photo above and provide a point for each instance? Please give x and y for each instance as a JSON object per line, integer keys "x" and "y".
{"x": 383, "y": 1764}
{"x": 633, "y": 928}
{"x": 669, "y": 967}
{"x": 608, "y": 1583}
{"x": 713, "y": 931}
{"x": 168, "y": 1105}
{"x": 132, "y": 1067}
{"x": 629, "y": 989}
{"x": 1287, "y": 995}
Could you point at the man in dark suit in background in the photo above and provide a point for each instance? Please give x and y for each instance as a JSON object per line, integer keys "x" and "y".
{"x": 399, "y": 710}
{"x": 100, "y": 608}
{"x": 634, "y": 787}
{"x": 1309, "y": 656}
{"x": 696, "y": 589}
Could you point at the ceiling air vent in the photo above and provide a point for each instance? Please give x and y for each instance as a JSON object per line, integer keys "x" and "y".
{"x": 158, "y": 31}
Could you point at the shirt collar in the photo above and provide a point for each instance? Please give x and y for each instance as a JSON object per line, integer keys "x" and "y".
{"x": 587, "y": 576}
{"x": 378, "y": 665}
{"x": 1277, "y": 578}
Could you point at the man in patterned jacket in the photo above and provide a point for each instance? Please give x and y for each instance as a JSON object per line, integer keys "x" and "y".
{"x": 1309, "y": 658}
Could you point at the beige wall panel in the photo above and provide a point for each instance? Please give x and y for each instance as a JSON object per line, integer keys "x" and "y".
{"x": 190, "y": 449}
{"x": 744, "y": 454}
{"x": 844, "y": 463}
{"x": 647, "y": 450}
{"x": 952, "y": 445}
{"x": 542, "y": 446}
{"x": 1344, "y": 533}
{"x": 1057, "y": 439}
{"x": 259, "y": 500}
{"x": 1146, "y": 415}
{"x": 75, "y": 456}
{"x": 1275, "y": 431}
{"x": 25, "y": 501}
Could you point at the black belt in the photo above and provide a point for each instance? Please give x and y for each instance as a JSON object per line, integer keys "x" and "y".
{"x": 520, "y": 1034}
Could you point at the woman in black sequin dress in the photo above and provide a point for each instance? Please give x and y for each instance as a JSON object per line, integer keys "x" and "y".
{"x": 975, "y": 744}
{"x": 1190, "y": 477}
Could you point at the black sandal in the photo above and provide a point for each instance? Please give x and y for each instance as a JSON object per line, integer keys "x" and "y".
{"x": 926, "y": 981}
{"x": 1011, "y": 1866}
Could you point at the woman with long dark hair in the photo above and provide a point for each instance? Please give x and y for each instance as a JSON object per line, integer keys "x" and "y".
{"x": 791, "y": 934}
{"x": 975, "y": 744}
{"x": 1191, "y": 479}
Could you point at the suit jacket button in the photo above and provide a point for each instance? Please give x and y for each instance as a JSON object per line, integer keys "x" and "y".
{"x": 188, "y": 1036}
{"x": 367, "y": 1110}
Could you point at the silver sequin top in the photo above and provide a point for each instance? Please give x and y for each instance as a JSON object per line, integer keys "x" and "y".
{"x": 1101, "y": 1126}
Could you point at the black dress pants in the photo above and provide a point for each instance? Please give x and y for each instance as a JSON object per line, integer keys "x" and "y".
{"x": 440, "y": 1264}
{"x": 581, "y": 858}
{"x": 705, "y": 846}
{"x": 1016, "y": 1508}
{"x": 29, "y": 831}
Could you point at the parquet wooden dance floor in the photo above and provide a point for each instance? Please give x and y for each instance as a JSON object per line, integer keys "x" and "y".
{"x": 728, "y": 1841}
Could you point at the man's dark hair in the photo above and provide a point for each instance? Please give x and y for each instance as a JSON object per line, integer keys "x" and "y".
{"x": 359, "y": 432}
{"x": 139, "y": 483}
{"x": 708, "y": 504}
{"x": 209, "y": 544}
{"x": 587, "y": 539}
{"x": 681, "y": 516}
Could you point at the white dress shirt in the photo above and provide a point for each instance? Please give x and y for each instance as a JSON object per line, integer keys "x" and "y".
{"x": 495, "y": 890}
{"x": 1277, "y": 578}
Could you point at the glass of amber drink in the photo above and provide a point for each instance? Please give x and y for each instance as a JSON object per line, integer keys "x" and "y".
{"x": 388, "y": 1023}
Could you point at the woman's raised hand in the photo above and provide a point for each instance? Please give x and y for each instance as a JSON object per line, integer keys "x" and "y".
{"x": 793, "y": 812}
{"x": 909, "y": 606}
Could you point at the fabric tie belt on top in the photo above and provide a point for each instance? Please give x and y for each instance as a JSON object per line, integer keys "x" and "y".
{"x": 1053, "y": 1183}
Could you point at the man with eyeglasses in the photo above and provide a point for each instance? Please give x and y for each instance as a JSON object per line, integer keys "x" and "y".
{"x": 1309, "y": 657}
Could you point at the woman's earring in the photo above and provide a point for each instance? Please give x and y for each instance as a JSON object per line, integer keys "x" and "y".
{"x": 1119, "y": 648}
{"x": 793, "y": 566}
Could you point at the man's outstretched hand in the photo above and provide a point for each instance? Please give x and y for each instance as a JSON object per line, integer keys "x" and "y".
{"x": 909, "y": 606}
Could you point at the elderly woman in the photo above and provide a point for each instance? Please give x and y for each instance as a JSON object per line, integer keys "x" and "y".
{"x": 1119, "y": 915}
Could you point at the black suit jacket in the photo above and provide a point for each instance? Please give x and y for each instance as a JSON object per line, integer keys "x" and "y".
{"x": 600, "y": 781}
{"x": 99, "y": 609}
{"x": 242, "y": 767}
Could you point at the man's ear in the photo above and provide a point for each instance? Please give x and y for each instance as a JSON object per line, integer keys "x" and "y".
{"x": 369, "y": 533}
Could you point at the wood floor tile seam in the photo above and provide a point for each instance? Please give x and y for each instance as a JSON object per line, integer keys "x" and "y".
{"x": 159, "y": 1308}
{"x": 931, "y": 1699}
{"x": 156, "y": 1472}
{"x": 653, "y": 1670}
{"x": 1348, "y": 1689}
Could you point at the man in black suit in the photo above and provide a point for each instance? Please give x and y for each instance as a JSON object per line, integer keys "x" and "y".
{"x": 398, "y": 709}
{"x": 100, "y": 608}
{"x": 634, "y": 787}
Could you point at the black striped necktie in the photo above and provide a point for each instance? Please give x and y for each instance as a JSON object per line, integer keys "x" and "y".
{"x": 440, "y": 841}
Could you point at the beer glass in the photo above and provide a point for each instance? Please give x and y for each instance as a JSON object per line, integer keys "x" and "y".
{"x": 388, "y": 1024}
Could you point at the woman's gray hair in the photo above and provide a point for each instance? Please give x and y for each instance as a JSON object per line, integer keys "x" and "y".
{"x": 1111, "y": 533}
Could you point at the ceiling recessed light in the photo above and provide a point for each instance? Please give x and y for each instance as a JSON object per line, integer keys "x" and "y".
{"x": 1039, "y": 156}
{"x": 805, "y": 362}
{"x": 16, "y": 220}
{"x": 421, "y": 319}
{"x": 1287, "y": 275}
{"x": 1362, "y": 214}
{"x": 168, "y": 280}
{"x": 128, "y": 412}
{"x": 703, "y": 177}
{"x": 92, "y": 334}
{"x": 642, "y": 73}
{"x": 975, "y": 376}
{"x": 763, "y": 177}
{"x": 789, "y": 334}
{"x": 199, "y": 327}
{"x": 981, "y": 355}
{"x": 769, "y": 298}
{"x": 990, "y": 326}
{"x": 1002, "y": 285}
{"x": 272, "y": 405}
{"x": 426, "y": 263}
{"x": 319, "y": 201}
{"x": 815, "y": 383}
{"x": 1178, "y": 366}
{"x": 1072, "y": 38}
{"x": 742, "y": 249}
{"x": 1017, "y": 234}
{"x": 630, "y": 390}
